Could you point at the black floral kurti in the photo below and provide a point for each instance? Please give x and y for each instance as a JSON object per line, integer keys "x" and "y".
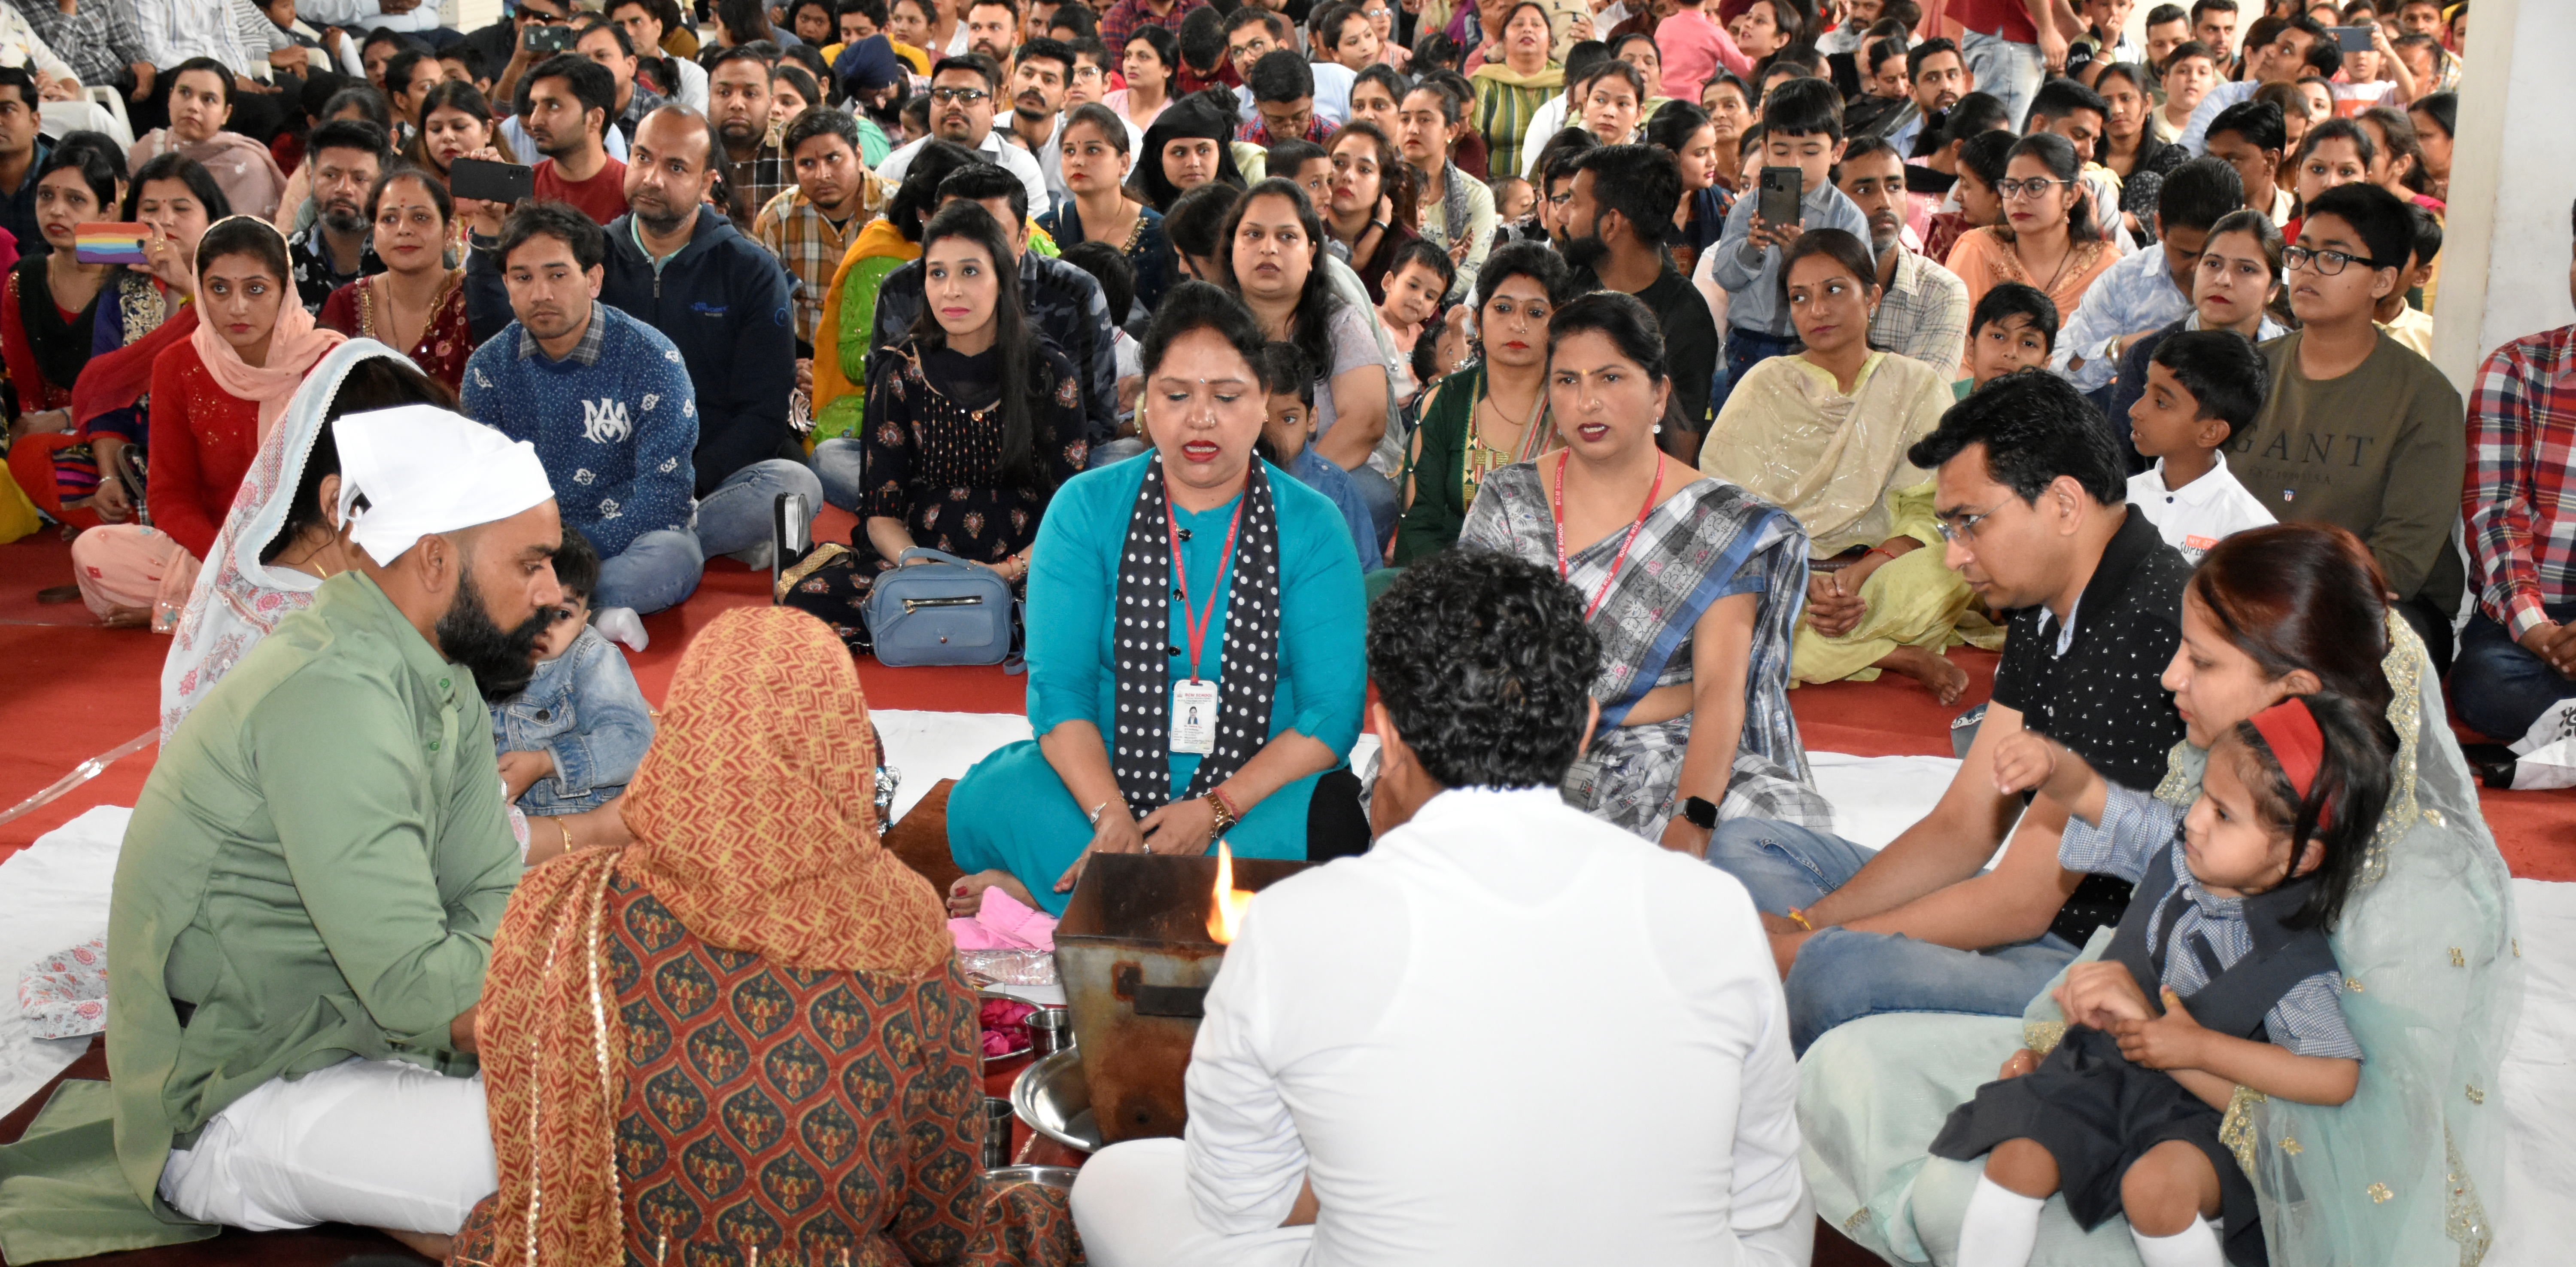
{"x": 934, "y": 451}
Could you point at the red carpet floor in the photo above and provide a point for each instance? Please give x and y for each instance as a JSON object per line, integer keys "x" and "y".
{"x": 73, "y": 691}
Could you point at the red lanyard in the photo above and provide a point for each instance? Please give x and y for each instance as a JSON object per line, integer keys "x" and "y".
{"x": 1198, "y": 626}
{"x": 1563, "y": 569}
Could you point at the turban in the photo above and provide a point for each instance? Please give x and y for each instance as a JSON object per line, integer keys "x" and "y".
{"x": 424, "y": 470}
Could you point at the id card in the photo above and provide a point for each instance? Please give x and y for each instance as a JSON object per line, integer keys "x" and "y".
{"x": 1194, "y": 717}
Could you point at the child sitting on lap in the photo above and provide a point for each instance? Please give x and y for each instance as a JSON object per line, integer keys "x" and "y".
{"x": 2228, "y": 928}
{"x": 572, "y": 739}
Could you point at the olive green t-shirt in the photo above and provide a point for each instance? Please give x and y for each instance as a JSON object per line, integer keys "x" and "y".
{"x": 2380, "y": 451}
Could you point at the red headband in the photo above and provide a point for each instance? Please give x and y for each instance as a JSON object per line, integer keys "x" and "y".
{"x": 2292, "y": 732}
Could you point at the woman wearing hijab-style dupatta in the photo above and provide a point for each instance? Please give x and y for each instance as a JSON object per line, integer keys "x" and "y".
{"x": 757, "y": 915}
{"x": 246, "y": 586}
{"x": 210, "y": 410}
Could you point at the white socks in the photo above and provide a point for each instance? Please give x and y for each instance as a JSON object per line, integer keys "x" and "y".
{"x": 2194, "y": 1246}
{"x": 2001, "y": 1226}
{"x": 621, "y": 624}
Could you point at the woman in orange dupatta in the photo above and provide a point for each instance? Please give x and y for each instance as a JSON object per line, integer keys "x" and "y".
{"x": 755, "y": 999}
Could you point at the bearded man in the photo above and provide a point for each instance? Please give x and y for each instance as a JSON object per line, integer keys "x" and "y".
{"x": 305, "y": 903}
{"x": 339, "y": 247}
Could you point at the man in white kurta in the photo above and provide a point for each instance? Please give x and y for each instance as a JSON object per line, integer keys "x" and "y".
{"x": 1510, "y": 1033}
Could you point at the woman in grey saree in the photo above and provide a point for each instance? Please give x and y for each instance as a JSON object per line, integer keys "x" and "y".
{"x": 2405, "y": 1172}
{"x": 1694, "y": 594}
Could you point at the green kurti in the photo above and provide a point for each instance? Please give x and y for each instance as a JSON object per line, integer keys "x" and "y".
{"x": 318, "y": 862}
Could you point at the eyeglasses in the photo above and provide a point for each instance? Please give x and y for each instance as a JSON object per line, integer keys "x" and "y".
{"x": 1086, "y": 72}
{"x": 1250, "y": 49}
{"x": 1963, "y": 527}
{"x": 1374, "y": 14}
{"x": 950, "y": 96}
{"x": 2328, "y": 263}
{"x": 2036, "y": 186}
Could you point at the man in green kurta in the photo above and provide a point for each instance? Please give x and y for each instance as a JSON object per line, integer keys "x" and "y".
{"x": 308, "y": 891}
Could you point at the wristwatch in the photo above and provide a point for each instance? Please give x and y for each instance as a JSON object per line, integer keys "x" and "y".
{"x": 1699, "y": 813}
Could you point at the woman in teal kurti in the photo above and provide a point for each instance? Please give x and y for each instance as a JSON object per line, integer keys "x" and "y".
{"x": 1281, "y": 652}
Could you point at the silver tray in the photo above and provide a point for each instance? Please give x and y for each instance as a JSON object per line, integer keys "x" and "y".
{"x": 1045, "y": 1176}
{"x": 1052, "y": 1097}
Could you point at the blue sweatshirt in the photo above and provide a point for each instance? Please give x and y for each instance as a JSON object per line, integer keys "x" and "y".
{"x": 724, "y": 302}
{"x": 614, "y": 422}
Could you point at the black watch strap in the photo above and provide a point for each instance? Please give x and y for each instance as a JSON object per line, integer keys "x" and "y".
{"x": 1701, "y": 814}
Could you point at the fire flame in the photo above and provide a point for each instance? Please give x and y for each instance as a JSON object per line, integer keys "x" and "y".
{"x": 1225, "y": 914}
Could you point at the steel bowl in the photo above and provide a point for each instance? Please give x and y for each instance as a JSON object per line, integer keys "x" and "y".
{"x": 1052, "y": 1097}
{"x": 1044, "y": 1176}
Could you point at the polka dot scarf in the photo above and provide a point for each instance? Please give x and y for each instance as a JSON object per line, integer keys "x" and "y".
{"x": 1149, "y": 644}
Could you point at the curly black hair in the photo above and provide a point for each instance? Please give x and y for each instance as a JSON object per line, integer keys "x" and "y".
{"x": 1484, "y": 663}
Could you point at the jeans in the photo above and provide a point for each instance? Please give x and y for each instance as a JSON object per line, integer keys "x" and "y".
{"x": 1115, "y": 451}
{"x": 841, "y": 466}
{"x": 2499, "y": 688}
{"x": 659, "y": 570}
{"x": 2010, "y": 72}
{"x": 734, "y": 518}
{"x": 1843, "y": 975}
{"x": 1744, "y": 350}
{"x": 1385, "y": 505}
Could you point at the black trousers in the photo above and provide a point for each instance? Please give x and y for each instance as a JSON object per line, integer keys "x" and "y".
{"x": 1337, "y": 824}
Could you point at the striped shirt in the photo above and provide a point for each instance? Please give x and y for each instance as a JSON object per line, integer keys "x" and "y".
{"x": 2521, "y": 496}
{"x": 2308, "y": 1021}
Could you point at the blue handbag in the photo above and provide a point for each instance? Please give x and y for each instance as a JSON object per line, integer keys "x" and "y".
{"x": 946, "y": 611}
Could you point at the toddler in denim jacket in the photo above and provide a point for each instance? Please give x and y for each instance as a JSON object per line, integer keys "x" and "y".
{"x": 572, "y": 739}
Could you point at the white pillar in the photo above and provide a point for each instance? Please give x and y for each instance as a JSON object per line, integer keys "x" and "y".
{"x": 2505, "y": 240}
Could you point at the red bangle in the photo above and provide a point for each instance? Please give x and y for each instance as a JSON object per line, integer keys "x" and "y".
{"x": 1864, "y": 555}
{"x": 1227, "y": 802}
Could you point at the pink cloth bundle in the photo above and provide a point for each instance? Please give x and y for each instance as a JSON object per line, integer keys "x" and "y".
{"x": 1004, "y": 922}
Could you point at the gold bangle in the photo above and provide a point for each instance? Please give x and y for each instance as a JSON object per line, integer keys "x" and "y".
{"x": 1799, "y": 918}
{"x": 566, "y": 829}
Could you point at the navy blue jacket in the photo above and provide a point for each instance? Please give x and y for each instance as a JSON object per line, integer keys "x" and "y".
{"x": 724, "y": 302}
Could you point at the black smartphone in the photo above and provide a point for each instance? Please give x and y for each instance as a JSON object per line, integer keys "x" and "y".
{"x": 481, "y": 178}
{"x": 546, "y": 37}
{"x": 1782, "y": 188}
{"x": 2351, "y": 39}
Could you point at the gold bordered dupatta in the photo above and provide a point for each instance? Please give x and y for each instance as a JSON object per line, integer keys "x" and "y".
{"x": 755, "y": 824}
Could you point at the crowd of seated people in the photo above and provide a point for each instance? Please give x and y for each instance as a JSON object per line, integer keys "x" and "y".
{"x": 1212, "y": 338}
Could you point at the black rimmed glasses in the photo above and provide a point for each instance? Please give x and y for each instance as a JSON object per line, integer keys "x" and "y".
{"x": 2328, "y": 263}
{"x": 951, "y": 96}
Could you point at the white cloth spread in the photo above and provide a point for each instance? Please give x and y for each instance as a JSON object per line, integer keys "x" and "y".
{"x": 1503, "y": 979}
{"x": 425, "y": 470}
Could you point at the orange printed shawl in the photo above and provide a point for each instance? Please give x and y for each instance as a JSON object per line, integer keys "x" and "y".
{"x": 755, "y": 824}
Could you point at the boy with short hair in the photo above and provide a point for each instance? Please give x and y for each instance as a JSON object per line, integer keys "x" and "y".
{"x": 1802, "y": 127}
{"x": 571, "y": 741}
{"x": 2359, "y": 431}
{"x": 1416, "y": 278}
{"x": 2013, "y": 328}
{"x": 2403, "y": 321}
{"x": 2202, "y": 387}
{"x": 1289, "y": 380}
{"x": 1513, "y": 198}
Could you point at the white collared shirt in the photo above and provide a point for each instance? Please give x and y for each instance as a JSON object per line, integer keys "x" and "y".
{"x": 2199, "y": 514}
{"x": 1017, "y": 161}
{"x": 1330, "y": 1051}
